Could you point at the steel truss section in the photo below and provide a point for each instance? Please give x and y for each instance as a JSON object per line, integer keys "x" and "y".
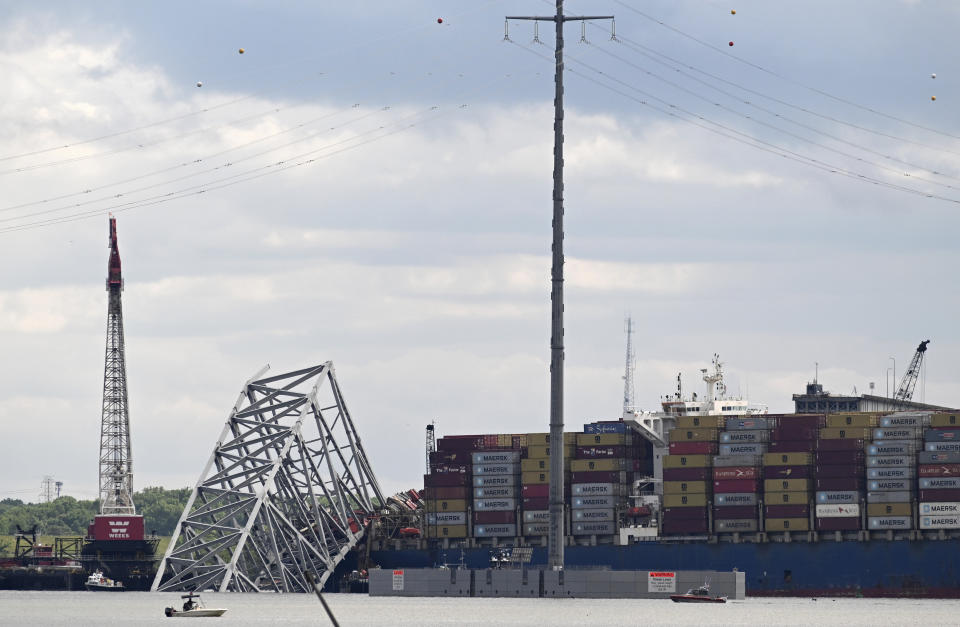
{"x": 287, "y": 491}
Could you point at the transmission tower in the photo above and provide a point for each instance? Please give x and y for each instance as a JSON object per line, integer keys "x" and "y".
{"x": 46, "y": 489}
{"x": 555, "y": 539}
{"x": 116, "y": 463}
{"x": 629, "y": 389}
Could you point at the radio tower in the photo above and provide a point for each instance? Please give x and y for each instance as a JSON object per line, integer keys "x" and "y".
{"x": 629, "y": 391}
{"x": 116, "y": 464}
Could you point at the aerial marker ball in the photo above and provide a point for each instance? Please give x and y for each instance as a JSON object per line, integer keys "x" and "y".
{"x": 733, "y": 11}
{"x": 439, "y": 20}
{"x": 933, "y": 97}
{"x": 933, "y": 76}
{"x": 199, "y": 84}
{"x": 730, "y": 44}
{"x": 240, "y": 50}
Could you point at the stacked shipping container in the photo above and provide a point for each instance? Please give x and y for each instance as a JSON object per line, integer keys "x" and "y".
{"x": 535, "y": 481}
{"x": 737, "y": 473}
{"x": 601, "y": 477}
{"x": 891, "y": 473}
{"x": 938, "y": 474}
{"x": 687, "y": 478}
{"x": 840, "y": 471}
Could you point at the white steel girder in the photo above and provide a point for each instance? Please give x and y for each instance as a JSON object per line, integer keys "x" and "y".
{"x": 287, "y": 491}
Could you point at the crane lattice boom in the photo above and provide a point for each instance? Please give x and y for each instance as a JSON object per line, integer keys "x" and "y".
{"x": 909, "y": 381}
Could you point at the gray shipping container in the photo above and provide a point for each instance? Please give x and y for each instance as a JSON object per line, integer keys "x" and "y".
{"x": 942, "y": 447}
{"x": 536, "y": 529}
{"x": 495, "y": 505}
{"x": 928, "y": 457}
{"x": 750, "y": 448}
{"x": 942, "y": 435}
{"x": 489, "y": 531}
{"x": 494, "y": 480}
{"x": 838, "y": 497}
{"x": 595, "y": 489}
{"x": 896, "y": 433}
{"x": 496, "y": 469}
{"x": 593, "y": 528}
{"x": 940, "y": 483}
{"x": 890, "y": 485}
{"x": 447, "y": 518}
{"x": 729, "y": 526}
{"x": 726, "y": 461}
{"x": 735, "y": 498}
{"x": 590, "y": 515}
{"x": 892, "y": 447}
{"x": 496, "y": 457}
{"x": 914, "y": 420}
{"x": 536, "y": 516}
{"x": 495, "y": 493}
{"x": 746, "y": 436}
{"x": 880, "y": 523}
{"x": 582, "y": 502}
{"x": 890, "y": 497}
{"x": 891, "y": 473}
{"x": 742, "y": 424}
{"x": 889, "y": 461}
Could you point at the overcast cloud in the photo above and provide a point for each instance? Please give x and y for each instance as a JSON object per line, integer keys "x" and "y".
{"x": 414, "y": 250}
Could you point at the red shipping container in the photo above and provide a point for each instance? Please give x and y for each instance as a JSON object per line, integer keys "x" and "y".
{"x": 938, "y": 470}
{"x": 736, "y": 472}
{"x": 811, "y": 421}
{"x": 786, "y": 511}
{"x": 446, "y": 493}
{"x": 460, "y": 443}
{"x": 686, "y": 474}
{"x": 939, "y": 496}
{"x": 838, "y": 524}
{"x": 449, "y": 457}
{"x": 443, "y": 468}
{"x": 675, "y": 513}
{"x": 601, "y": 452}
{"x": 735, "y": 512}
{"x": 118, "y": 527}
{"x": 791, "y": 446}
{"x": 449, "y": 479}
{"x": 598, "y": 476}
{"x": 839, "y": 457}
{"x": 536, "y": 490}
{"x": 793, "y": 432}
{"x": 693, "y": 448}
{"x": 832, "y": 484}
{"x": 839, "y": 445}
{"x": 536, "y": 503}
{"x": 728, "y": 486}
{"x": 787, "y": 472}
{"x": 684, "y": 526}
{"x": 494, "y": 518}
{"x": 840, "y": 470}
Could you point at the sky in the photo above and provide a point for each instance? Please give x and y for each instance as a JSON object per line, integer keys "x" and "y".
{"x": 368, "y": 186}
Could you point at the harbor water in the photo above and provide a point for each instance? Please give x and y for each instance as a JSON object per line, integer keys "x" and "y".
{"x": 144, "y": 608}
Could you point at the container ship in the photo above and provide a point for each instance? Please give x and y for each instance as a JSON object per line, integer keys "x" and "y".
{"x": 828, "y": 503}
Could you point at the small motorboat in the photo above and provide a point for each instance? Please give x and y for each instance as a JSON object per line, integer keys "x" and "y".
{"x": 697, "y": 595}
{"x": 193, "y": 607}
{"x": 99, "y": 582}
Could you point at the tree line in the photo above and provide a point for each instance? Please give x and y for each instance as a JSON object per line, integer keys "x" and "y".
{"x": 66, "y": 516}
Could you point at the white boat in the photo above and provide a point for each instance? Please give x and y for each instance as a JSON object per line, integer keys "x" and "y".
{"x": 97, "y": 581}
{"x": 193, "y": 607}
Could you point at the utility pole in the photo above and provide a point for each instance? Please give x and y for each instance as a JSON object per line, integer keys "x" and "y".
{"x": 556, "y": 537}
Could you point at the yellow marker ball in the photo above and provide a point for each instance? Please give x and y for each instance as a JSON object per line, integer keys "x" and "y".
{"x": 733, "y": 11}
{"x": 933, "y": 97}
{"x": 241, "y": 51}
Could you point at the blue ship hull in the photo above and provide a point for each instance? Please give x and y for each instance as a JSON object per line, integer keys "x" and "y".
{"x": 871, "y": 569}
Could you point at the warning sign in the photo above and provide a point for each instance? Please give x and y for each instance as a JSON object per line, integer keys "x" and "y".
{"x": 398, "y": 580}
{"x": 661, "y": 582}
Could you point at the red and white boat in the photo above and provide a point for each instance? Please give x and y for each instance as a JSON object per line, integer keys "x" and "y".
{"x": 697, "y": 595}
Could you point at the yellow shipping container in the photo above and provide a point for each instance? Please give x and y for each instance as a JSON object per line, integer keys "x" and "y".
{"x": 686, "y": 461}
{"x": 786, "y": 485}
{"x": 945, "y": 420}
{"x": 543, "y": 439}
{"x": 581, "y": 465}
{"x": 446, "y": 531}
{"x": 787, "y": 459}
{"x": 889, "y": 509}
{"x": 787, "y": 524}
{"x": 861, "y": 419}
{"x": 532, "y": 477}
{"x": 602, "y": 439}
{"x": 694, "y": 435}
{"x": 786, "y": 498}
{"x": 521, "y": 439}
{"x": 536, "y": 465}
{"x": 685, "y": 487}
{"x": 684, "y": 500}
{"x": 542, "y": 451}
{"x": 696, "y": 422}
{"x": 845, "y": 433}
{"x": 452, "y": 505}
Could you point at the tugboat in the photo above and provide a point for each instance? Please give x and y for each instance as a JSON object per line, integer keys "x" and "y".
{"x": 193, "y": 607}
{"x": 697, "y": 595}
{"x": 99, "y": 582}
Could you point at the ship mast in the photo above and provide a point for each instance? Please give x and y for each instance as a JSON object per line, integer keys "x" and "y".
{"x": 116, "y": 462}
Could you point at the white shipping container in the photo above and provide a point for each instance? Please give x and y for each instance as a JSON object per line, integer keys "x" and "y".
{"x": 940, "y": 483}
{"x": 896, "y": 433}
{"x": 905, "y": 421}
{"x": 582, "y": 502}
{"x": 940, "y": 509}
{"x": 734, "y": 524}
{"x": 496, "y": 469}
{"x": 536, "y": 529}
{"x": 495, "y": 505}
{"x": 536, "y": 516}
{"x": 940, "y": 522}
{"x": 496, "y": 457}
{"x": 890, "y": 473}
{"x": 891, "y": 485}
{"x": 743, "y": 448}
{"x": 593, "y": 528}
{"x": 838, "y": 497}
{"x": 735, "y": 498}
{"x": 889, "y": 461}
{"x": 495, "y": 492}
{"x": 892, "y": 447}
{"x": 941, "y": 447}
{"x": 595, "y": 489}
{"x": 495, "y": 480}
{"x": 889, "y": 497}
{"x": 489, "y": 531}
{"x": 845, "y": 510}
{"x": 889, "y": 522}
{"x": 589, "y": 515}
{"x": 447, "y": 518}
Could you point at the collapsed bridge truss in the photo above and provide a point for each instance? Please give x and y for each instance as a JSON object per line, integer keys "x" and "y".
{"x": 287, "y": 491}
